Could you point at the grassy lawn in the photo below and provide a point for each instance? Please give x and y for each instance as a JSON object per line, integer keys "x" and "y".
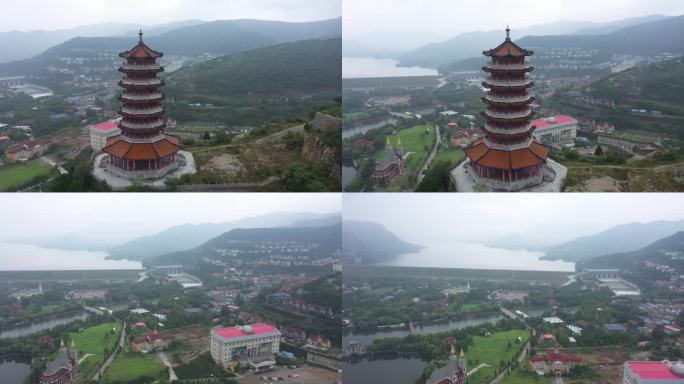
{"x": 492, "y": 350}
{"x": 49, "y": 308}
{"x": 449, "y": 154}
{"x": 129, "y": 366}
{"x": 16, "y": 175}
{"x": 470, "y": 307}
{"x": 94, "y": 340}
{"x": 417, "y": 143}
{"x": 520, "y": 376}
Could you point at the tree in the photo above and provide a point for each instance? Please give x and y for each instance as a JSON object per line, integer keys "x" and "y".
{"x": 599, "y": 151}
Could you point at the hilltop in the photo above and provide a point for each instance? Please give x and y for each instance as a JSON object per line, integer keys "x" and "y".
{"x": 285, "y": 80}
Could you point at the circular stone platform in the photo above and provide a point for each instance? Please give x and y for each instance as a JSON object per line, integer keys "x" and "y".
{"x": 186, "y": 166}
{"x": 554, "y": 177}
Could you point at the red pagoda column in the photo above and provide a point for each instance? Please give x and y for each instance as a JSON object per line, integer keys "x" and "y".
{"x": 508, "y": 153}
{"x": 142, "y": 141}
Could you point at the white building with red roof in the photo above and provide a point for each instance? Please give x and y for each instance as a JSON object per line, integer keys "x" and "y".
{"x": 99, "y": 133}
{"x": 653, "y": 372}
{"x": 555, "y": 130}
{"x": 553, "y": 362}
{"x": 253, "y": 345}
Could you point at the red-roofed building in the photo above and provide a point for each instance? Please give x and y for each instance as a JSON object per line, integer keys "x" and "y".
{"x": 99, "y": 133}
{"x": 653, "y": 372}
{"x": 295, "y": 334}
{"x": 318, "y": 342}
{"x": 27, "y": 150}
{"x": 466, "y": 137}
{"x": 152, "y": 341}
{"x": 555, "y": 130}
{"x": 554, "y": 362}
{"x": 249, "y": 345}
{"x": 4, "y": 139}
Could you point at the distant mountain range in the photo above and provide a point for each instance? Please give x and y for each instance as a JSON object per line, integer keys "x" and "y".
{"x": 653, "y": 252}
{"x": 327, "y": 238}
{"x": 557, "y": 35}
{"x": 217, "y": 37}
{"x": 619, "y": 239}
{"x": 188, "y": 236}
{"x": 371, "y": 243}
{"x": 18, "y": 45}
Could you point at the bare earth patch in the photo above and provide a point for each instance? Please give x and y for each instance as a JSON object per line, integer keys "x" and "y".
{"x": 598, "y": 184}
{"x": 227, "y": 164}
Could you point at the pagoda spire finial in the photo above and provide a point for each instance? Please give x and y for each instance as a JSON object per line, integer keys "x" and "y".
{"x": 508, "y": 32}
{"x": 140, "y": 35}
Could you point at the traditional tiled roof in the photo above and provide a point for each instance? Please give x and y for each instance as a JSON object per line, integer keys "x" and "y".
{"x": 496, "y": 158}
{"x": 508, "y": 49}
{"x": 123, "y": 149}
{"x": 141, "y": 51}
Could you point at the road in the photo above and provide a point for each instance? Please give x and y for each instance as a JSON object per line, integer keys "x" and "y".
{"x": 431, "y": 157}
{"x": 165, "y": 361}
{"x": 521, "y": 357}
{"x": 110, "y": 358}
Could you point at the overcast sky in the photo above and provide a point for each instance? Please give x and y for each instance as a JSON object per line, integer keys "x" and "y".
{"x": 52, "y": 215}
{"x": 26, "y": 15}
{"x": 452, "y": 17}
{"x": 422, "y": 218}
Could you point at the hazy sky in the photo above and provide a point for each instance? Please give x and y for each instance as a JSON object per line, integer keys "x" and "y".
{"x": 422, "y": 217}
{"x": 452, "y": 17}
{"x": 57, "y": 214}
{"x": 60, "y": 14}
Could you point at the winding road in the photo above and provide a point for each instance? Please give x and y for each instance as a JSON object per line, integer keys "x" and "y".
{"x": 431, "y": 157}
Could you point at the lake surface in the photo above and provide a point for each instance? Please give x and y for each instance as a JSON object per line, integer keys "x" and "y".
{"x": 355, "y": 67}
{"x": 23, "y": 257}
{"x": 397, "y": 371}
{"x": 41, "y": 325}
{"x": 363, "y": 128}
{"x": 367, "y": 338}
{"x": 13, "y": 370}
{"x": 452, "y": 254}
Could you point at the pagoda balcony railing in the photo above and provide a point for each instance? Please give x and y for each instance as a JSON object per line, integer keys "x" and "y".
{"x": 156, "y": 124}
{"x": 143, "y": 111}
{"x": 507, "y": 131}
{"x": 142, "y": 67}
{"x": 142, "y": 174}
{"x": 146, "y": 97}
{"x": 509, "y": 66}
{"x": 499, "y": 184}
{"x": 508, "y": 146}
{"x": 508, "y": 99}
{"x": 141, "y": 82}
{"x": 508, "y": 115}
{"x": 507, "y": 83}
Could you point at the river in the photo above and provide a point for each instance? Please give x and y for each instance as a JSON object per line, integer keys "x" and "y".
{"x": 41, "y": 325}
{"x": 353, "y": 129}
{"x": 360, "y": 67}
{"x": 453, "y": 254}
{"x": 402, "y": 370}
{"x": 13, "y": 370}
{"x": 25, "y": 257}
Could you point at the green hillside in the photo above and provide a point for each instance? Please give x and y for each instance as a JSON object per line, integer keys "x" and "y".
{"x": 274, "y": 83}
{"x": 654, "y": 87}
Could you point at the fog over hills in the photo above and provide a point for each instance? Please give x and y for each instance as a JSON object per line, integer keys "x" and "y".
{"x": 218, "y": 37}
{"x": 182, "y": 237}
{"x": 654, "y": 252}
{"x": 19, "y": 45}
{"x": 618, "y": 239}
{"x": 371, "y": 242}
{"x": 471, "y": 44}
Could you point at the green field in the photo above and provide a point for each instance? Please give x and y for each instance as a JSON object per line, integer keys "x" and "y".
{"x": 17, "y": 175}
{"x": 94, "y": 340}
{"x": 417, "y": 143}
{"x": 520, "y": 376}
{"x": 129, "y": 366}
{"x": 493, "y": 350}
{"x": 450, "y": 155}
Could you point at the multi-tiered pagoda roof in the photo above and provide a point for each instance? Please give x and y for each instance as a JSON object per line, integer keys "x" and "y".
{"x": 142, "y": 149}
{"x": 507, "y": 157}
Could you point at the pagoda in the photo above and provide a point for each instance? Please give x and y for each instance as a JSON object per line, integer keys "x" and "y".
{"x": 508, "y": 158}
{"x": 142, "y": 150}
